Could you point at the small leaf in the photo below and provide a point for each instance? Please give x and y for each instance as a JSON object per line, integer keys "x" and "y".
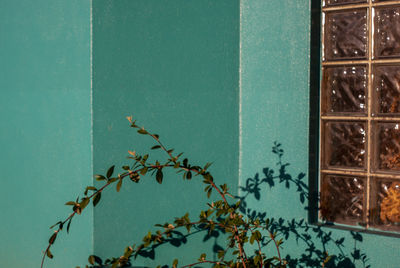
{"x": 119, "y": 184}
{"x": 177, "y": 164}
{"x": 70, "y": 203}
{"x": 112, "y": 180}
{"x": 48, "y": 253}
{"x": 144, "y": 170}
{"x": 207, "y": 166}
{"x": 132, "y": 153}
{"x": 155, "y": 147}
{"x": 99, "y": 177}
{"x": 53, "y": 238}
{"x": 159, "y": 176}
{"x": 175, "y": 263}
{"x": 91, "y": 259}
{"x": 96, "y": 199}
{"x": 110, "y": 171}
{"x": 84, "y": 202}
{"x": 125, "y": 167}
{"x": 69, "y": 224}
{"x": 90, "y": 188}
{"x": 209, "y": 192}
{"x": 142, "y": 131}
{"x": 115, "y": 264}
{"x": 189, "y": 175}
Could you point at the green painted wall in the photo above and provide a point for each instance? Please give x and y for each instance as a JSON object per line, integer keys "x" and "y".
{"x": 275, "y": 40}
{"x": 174, "y": 66}
{"x": 45, "y": 133}
{"x": 177, "y": 67}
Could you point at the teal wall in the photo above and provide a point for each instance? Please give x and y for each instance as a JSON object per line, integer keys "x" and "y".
{"x": 45, "y": 133}
{"x": 275, "y": 40}
{"x": 174, "y": 66}
{"x": 184, "y": 69}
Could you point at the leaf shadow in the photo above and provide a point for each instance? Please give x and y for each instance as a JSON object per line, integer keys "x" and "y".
{"x": 315, "y": 238}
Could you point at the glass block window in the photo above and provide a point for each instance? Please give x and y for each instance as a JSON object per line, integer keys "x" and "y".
{"x": 360, "y": 114}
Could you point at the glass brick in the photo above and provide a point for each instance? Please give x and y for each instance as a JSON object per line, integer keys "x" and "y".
{"x": 343, "y": 2}
{"x": 387, "y": 32}
{"x": 387, "y": 146}
{"x": 345, "y": 89}
{"x": 386, "y": 90}
{"x": 346, "y": 35}
{"x": 385, "y": 204}
{"x": 345, "y": 144}
{"x": 343, "y": 199}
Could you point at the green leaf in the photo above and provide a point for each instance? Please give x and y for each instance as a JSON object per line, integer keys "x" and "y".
{"x": 48, "y": 253}
{"x": 96, "y": 198}
{"x": 125, "y": 168}
{"x": 207, "y": 166}
{"x": 159, "y": 176}
{"x": 70, "y": 203}
{"x": 53, "y": 238}
{"x": 99, "y": 177}
{"x": 142, "y": 131}
{"x": 177, "y": 164}
{"x": 85, "y": 201}
{"x": 90, "y": 188}
{"x": 68, "y": 225}
{"x": 189, "y": 175}
{"x": 115, "y": 264}
{"x": 252, "y": 238}
{"x": 112, "y": 180}
{"x": 91, "y": 259}
{"x": 119, "y": 184}
{"x": 155, "y": 147}
{"x": 209, "y": 192}
{"x": 144, "y": 170}
{"x": 110, "y": 171}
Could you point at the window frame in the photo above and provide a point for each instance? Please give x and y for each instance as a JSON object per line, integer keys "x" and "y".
{"x": 316, "y": 117}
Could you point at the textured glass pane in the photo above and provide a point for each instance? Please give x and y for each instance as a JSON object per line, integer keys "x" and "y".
{"x": 345, "y": 89}
{"x": 342, "y": 2}
{"x": 342, "y": 199}
{"x": 387, "y": 32}
{"x": 388, "y": 146}
{"x": 345, "y": 144}
{"x": 346, "y": 34}
{"x": 387, "y": 89}
{"x": 385, "y": 204}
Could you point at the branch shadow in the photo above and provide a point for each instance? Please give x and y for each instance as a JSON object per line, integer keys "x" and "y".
{"x": 315, "y": 239}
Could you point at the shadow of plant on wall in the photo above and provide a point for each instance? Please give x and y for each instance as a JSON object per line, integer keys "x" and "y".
{"x": 309, "y": 235}
{"x": 246, "y": 232}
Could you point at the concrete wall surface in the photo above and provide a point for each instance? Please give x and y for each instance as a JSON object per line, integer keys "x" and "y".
{"x": 275, "y": 75}
{"x": 174, "y": 66}
{"x": 46, "y": 129}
